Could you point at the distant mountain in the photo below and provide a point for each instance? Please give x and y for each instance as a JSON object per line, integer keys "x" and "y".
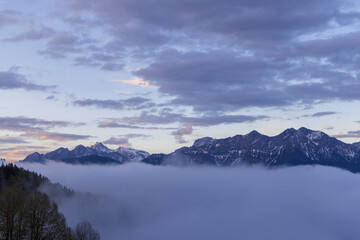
{"x": 290, "y": 148}
{"x": 95, "y": 154}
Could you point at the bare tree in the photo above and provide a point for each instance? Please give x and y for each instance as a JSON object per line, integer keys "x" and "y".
{"x": 12, "y": 222}
{"x": 84, "y": 231}
{"x": 43, "y": 219}
{"x": 25, "y": 213}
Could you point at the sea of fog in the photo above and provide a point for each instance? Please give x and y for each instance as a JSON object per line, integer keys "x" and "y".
{"x": 139, "y": 201}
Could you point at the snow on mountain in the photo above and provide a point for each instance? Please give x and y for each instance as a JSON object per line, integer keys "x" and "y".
{"x": 99, "y": 147}
{"x": 132, "y": 154}
{"x": 97, "y": 153}
{"x": 291, "y": 147}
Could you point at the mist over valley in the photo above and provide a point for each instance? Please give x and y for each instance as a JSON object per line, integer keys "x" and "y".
{"x": 138, "y": 201}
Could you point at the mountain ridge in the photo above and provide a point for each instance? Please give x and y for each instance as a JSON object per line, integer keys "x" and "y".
{"x": 97, "y": 153}
{"x": 290, "y": 148}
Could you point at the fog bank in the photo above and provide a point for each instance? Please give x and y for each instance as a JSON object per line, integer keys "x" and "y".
{"x": 153, "y": 202}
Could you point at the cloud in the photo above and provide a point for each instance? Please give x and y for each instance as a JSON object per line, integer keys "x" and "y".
{"x": 245, "y": 62}
{"x": 216, "y": 80}
{"x": 13, "y": 80}
{"x": 45, "y": 135}
{"x": 115, "y": 124}
{"x": 86, "y": 61}
{"x": 149, "y": 202}
{"x": 51, "y": 98}
{"x": 234, "y": 24}
{"x": 123, "y": 140}
{"x": 106, "y": 61}
{"x": 62, "y": 43}
{"x": 19, "y": 152}
{"x": 23, "y": 124}
{"x": 135, "y": 135}
{"x": 349, "y": 134}
{"x": 225, "y": 81}
{"x": 243, "y": 21}
{"x": 204, "y": 120}
{"x": 118, "y": 141}
{"x": 33, "y": 34}
{"x": 215, "y": 56}
{"x": 226, "y": 59}
{"x": 7, "y": 139}
{"x": 179, "y": 134}
{"x": 165, "y": 118}
{"x": 340, "y": 49}
{"x": 130, "y": 103}
{"x": 112, "y": 66}
{"x": 38, "y": 128}
{"x": 11, "y": 17}
{"x": 321, "y": 114}
{"x": 137, "y": 82}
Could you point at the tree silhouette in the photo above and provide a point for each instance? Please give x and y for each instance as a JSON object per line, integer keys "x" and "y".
{"x": 43, "y": 219}
{"x": 27, "y": 214}
{"x": 84, "y": 231}
{"x": 12, "y": 214}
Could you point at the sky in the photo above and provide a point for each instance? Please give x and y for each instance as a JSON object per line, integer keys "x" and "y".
{"x": 140, "y": 201}
{"x": 157, "y": 74}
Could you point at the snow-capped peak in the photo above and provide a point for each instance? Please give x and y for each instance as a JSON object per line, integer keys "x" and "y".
{"x": 98, "y": 146}
{"x": 133, "y": 154}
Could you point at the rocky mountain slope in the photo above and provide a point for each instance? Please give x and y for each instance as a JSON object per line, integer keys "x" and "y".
{"x": 96, "y": 154}
{"x": 291, "y": 147}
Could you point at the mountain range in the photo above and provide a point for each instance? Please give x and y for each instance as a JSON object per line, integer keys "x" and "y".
{"x": 290, "y": 148}
{"x": 95, "y": 154}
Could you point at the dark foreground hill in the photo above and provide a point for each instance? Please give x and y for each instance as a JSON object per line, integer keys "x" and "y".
{"x": 14, "y": 176}
{"x": 290, "y": 148}
{"x": 27, "y": 213}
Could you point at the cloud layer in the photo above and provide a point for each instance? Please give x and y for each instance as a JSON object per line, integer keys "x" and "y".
{"x": 38, "y": 128}
{"x": 13, "y": 80}
{"x": 225, "y": 81}
{"x": 168, "y": 118}
{"x": 349, "y": 134}
{"x": 165, "y": 118}
{"x": 147, "y": 202}
{"x": 136, "y": 103}
{"x": 229, "y": 55}
{"x": 123, "y": 140}
{"x": 211, "y": 55}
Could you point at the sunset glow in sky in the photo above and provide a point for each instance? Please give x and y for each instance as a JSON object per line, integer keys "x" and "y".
{"x": 157, "y": 74}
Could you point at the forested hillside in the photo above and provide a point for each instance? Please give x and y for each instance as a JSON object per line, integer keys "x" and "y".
{"x": 27, "y": 213}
